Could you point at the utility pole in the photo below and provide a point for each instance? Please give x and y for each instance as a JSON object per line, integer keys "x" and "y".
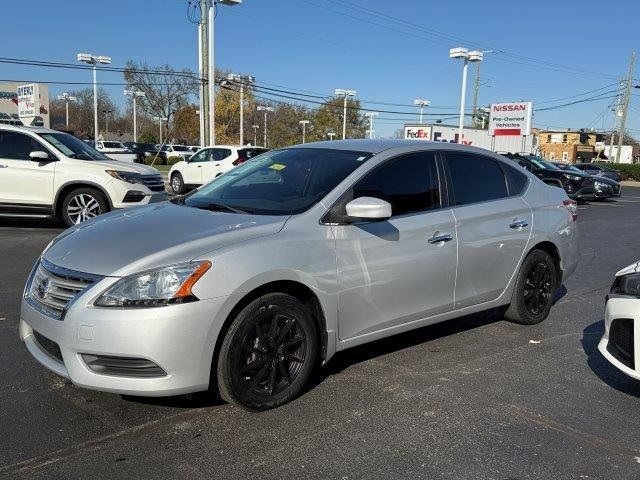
{"x": 203, "y": 50}
{"x": 625, "y": 104}
{"x": 106, "y": 122}
{"x": 255, "y": 134}
{"x": 240, "y": 79}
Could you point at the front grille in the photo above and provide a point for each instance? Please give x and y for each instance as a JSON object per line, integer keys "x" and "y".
{"x": 49, "y": 346}
{"x": 154, "y": 182}
{"x": 52, "y": 288}
{"x": 620, "y": 344}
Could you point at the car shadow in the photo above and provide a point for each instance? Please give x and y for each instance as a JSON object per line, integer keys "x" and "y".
{"x": 601, "y": 367}
{"x": 32, "y": 222}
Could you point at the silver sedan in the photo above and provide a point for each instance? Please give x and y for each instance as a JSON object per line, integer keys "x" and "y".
{"x": 246, "y": 284}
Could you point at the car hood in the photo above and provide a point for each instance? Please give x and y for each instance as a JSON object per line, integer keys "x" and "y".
{"x": 633, "y": 268}
{"x": 129, "y": 241}
{"x": 117, "y": 165}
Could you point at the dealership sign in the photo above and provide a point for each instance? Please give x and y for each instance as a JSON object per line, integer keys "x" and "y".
{"x": 510, "y": 119}
{"x": 28, "y": 101}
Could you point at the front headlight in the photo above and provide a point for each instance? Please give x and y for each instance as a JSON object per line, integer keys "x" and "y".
{"x": 129, "y": 177}
{"x": 155, "y": 288}
{"x": 575, "y": 178}
{"x": 627, "y": 285}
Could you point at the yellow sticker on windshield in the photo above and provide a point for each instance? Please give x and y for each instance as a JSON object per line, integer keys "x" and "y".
{"x": 278, "y": 167}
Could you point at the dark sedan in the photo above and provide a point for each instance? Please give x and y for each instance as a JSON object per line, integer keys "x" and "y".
{"x": 599, "y": 171}
{"x": 142, "y": 149}
{"x": 604, "y": 186}
{"x": 578, "y": 185}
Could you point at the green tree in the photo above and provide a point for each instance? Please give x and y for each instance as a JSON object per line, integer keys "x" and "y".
{"x": 328, "y": 118}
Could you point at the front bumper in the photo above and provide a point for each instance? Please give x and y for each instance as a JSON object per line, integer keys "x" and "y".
{"x": 180, "y": 339}
{"x": 621, "y": 339}
{"x": 606, "y": 191}
{"x": 580, "y": 193}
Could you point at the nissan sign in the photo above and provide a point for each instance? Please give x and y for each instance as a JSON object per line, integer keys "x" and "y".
{"x": 510, "y": 119}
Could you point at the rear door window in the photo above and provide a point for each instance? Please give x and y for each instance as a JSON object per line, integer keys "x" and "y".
{"x": 474, "y": 178}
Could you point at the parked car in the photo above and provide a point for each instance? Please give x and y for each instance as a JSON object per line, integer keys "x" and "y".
{"x": 115, "y": 150}
{"x": 45, "y": 172}
{"x": 269, "y": 270}
{"x": 579, "y": 186}
{"x": 142, "y": 150}
{"x": 177, "y": 151}
{"x": 597, "y": 170}
{"x": 207, "y": 164}
{"x": 604, "y": 186}
{"x": 622, "y": 309}
{"x": 194, "y": 148}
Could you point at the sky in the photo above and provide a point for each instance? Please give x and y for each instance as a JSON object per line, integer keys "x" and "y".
{"x": 547, "y": 52}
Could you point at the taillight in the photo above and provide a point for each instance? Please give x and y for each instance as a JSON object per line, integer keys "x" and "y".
{"x": 238, "y": 161}
{"x": 572, "y": 206}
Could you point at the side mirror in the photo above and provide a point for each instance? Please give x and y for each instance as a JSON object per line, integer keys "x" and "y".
{"x": 39, "y": 155}
{"x": 369, "y": 208}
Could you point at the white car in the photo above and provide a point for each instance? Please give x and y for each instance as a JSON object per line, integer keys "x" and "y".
{"x": 48, "y": 173}
{"x": 207, "y": 164}
{"x": 116, "y": 150}
{"x": 177, "y": 151}
{"x": 622, "y": 312}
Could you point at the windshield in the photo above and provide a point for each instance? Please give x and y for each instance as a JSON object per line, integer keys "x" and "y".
{"x": 180, "y": 148}
{"x": 73, "y": 147}
{"x": 281, "y": 182}
{"x": 541, "y": 162}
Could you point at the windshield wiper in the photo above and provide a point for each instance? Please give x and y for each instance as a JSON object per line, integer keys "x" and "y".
{"x": 220, "y": 207}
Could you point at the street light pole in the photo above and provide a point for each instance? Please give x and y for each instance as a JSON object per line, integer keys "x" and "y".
{"x": 160, "y": 120}
{"x": 241, "y": 79}
{"x": 304, "y": 124}
{"x": 255, "y": 133}
{"x": 346, "y": 93}
{"x": 67, "y": 98}
{"x": 94, "y": 60}
{"x": 331, "y": 135}
{"x": 135, "y": 94}
{"x": 106, "y": 122}
{"x": 419, "y": 102}
{"x": 265, "y": 109}
{"x": 466, "y": 56}
{"x": 371, "y": 115}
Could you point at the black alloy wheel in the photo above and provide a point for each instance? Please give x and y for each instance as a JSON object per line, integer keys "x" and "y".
{"x": 268, "y": 354}
{"x": 538, "y": 288}
{"x": 534, "y": 290}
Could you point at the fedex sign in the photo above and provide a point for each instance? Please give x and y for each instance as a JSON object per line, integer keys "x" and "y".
{"x": 417, "y": 132}
{"x": 510, "y": 119}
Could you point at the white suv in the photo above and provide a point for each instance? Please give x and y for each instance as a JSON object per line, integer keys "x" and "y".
{"x": 209, "y": 163}
{"x": 45, "y": 172}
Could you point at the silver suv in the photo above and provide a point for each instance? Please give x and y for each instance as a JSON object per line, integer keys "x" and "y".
{"x": 248, "y": 283}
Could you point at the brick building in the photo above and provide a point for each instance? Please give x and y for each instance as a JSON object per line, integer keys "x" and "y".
{"x": 566, "y": 145}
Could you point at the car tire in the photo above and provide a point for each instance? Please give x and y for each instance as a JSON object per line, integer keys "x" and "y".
{"x": 83, "y": 204}
{"x": 177, "y": 183}
{"x": 534, "y": 291}
{"x": 268, "y": 353}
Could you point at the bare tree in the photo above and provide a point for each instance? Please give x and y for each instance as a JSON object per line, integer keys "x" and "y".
{"x": 166, "y": 90}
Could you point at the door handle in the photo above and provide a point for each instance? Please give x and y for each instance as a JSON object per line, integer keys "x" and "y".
{"x": 519, "y": 224}
{"x": 446, "y": 237}
{"x": 217, "y": 164}
{"x": 199, "y": 166}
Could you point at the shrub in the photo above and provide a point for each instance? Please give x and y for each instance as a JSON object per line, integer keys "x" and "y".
{"x": 152, "y": 160}
{"x": 629, "y": 171}
{"x": 173, "y": 160}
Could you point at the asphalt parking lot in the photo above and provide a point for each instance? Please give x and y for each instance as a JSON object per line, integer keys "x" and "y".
{"x": 473, "y": 398}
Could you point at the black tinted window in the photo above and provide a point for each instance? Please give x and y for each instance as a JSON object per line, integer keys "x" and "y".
{"x": 248, "y": 153}
{"x": 201, "y": 156}
{"x": 409, "y": 183}
{"x": 516, "y": 181}
{"x": 18, "y": 146}
{"x": 475, "y": 178}
{"x": 220, "y": 153}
